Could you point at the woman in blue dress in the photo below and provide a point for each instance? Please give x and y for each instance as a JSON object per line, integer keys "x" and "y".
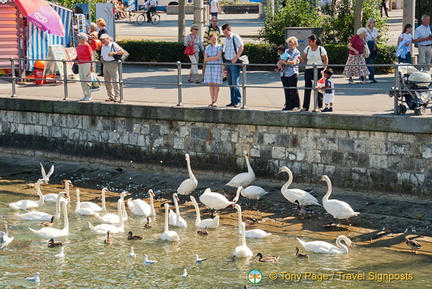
{"x": 213, "y": 72}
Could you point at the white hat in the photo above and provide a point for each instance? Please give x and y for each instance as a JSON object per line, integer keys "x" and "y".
{"x": 104, "y": 36}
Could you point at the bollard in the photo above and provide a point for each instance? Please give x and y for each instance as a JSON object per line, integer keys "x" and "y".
{"x": 179, "y": 84}
{"x": 314, "y": 85}
{"x": 396, "y": 89}
{"x": 65, "y": 81}
{"x": 244, "y": 106}
{"x": 13, "y": 77}
{"x": 120, "y": 72}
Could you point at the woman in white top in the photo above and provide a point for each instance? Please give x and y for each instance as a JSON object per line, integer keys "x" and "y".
{"x": 403, "y": 45}
{"x": 371, "y": 40}
{"x": 193, "y": 39}
{"x": 317, "y": 54}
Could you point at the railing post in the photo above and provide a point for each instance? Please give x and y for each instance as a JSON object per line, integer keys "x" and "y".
{"x": 120, "y": 72}
{"x": 13, "y": 77}
{"x": 65, "y": 81}
{"x": 396, "y": 89}
{"x": 179, "y": 84}
{"x": 243, "y": 66}
{"x": 314, "y": 86}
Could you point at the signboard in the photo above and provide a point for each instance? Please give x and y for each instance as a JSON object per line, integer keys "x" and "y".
{"x": 301, "y": 33}
{"x": 106, "y": 12}
{"x": 85, "y": 8}
{"x": 53, "y": 62}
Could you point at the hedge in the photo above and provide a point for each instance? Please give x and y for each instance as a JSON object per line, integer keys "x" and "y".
{"x": 152, "y": 51}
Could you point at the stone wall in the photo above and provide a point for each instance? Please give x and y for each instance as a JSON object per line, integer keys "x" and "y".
{"x": 375, "y": 153}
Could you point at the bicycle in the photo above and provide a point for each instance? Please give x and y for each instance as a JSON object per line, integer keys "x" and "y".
{"x": 154, "y": 19}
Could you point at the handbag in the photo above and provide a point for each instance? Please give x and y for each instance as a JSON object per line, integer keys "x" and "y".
{"x": 190, "y": 50}
{"x": 75, "y": 68}
{"x": 94, "y": 82}
{"x": 366, "y": 51}
{"x": 122, "y": 57}
{"x": 95, "y": 44}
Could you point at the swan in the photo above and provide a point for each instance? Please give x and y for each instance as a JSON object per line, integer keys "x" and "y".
{"x": 206, "y": 223}
{"x": 48, "y": 232}
{"x": 188, "y": 185}
{"x": 42, "y": 216}
{"x": 338, "y": 209}
{"x": 140, "y": 208}
{"x": 169, "y": 235}
{"x": 26, "y": 204}
{"x": 93, "y": 206}
{"x": 327, "y": 248}
{"x": 174, "y": 218}
{"x": 199, "y": 260}
{"x": 243, "y": 250}
{"x": 132, "y": 253}
{"x": 5, "y": 240}
{"x": 304, "y": 198}
{"x": 147, "y": 261}
{"x": 35, "y": 279}
{"x": 111, "y": 218}
{"x": 52, "y": 198}
{"x": 79, "y": 209}
{"x": 217, "y": 201}
{"x": 254, "y": 193}
{"x": 250, "y": 234}
{"x": 61, "y": 254}
{"x": 243, "y": 179}
{"x": 113, "y": 229}
{"x": 45, "y": 176}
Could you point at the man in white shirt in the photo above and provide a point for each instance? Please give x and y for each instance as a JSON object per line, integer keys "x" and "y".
{"x": 110, "y": 69}
{"x": 214, "y": 8}
{"x": 423, "y": 37}
{"x": 151, "y": 7}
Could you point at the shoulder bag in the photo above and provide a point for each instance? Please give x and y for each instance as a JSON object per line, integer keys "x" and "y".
{"x": 122, "y": 57}
{"x": 242, "y": 59}
{"x": 189, "y": 50}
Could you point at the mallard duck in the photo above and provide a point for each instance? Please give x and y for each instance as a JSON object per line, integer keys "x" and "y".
{"x": 48, "y": 224}
{"x": 303, "y": 212}
{"x": 266, "y": 259}
{"x": 414, "y": 245}
{"x": 131, "y": 236}
{"x": 108, "y": 240}
{"x": 53, "y": 244}
{"x": 148, "y": 225}
{"x": 300, "y": 255}
{"x": 199, "y": 260}
{"x": 203, "y": 232}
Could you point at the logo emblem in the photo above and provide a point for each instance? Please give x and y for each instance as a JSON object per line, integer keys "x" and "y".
{"x": 254, "y": 276}
{"x": 39, "y": 17}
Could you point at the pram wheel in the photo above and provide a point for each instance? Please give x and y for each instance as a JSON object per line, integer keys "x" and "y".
{"x": 401, "y": 109}
{"x": 419, "y": 111}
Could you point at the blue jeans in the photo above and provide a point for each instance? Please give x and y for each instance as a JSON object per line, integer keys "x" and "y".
{"x": 370, "y": 68}
{"x": 233, "y": 75}
{"x": 407, "y": 58}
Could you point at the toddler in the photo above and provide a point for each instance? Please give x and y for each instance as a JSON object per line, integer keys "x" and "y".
{"x": 328, "y": 90}
{"x": 282, "y": 56}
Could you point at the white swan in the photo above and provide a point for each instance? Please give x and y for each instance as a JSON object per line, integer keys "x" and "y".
{"x": 254, "y": 193}
{"x": 338, "y": 209}
{"x": 5, "y": 240}
{"x": 217, "y": 201}
{"x": 243, "y": 179}
{"x": 27, "y": 204}
{"x": 113, "y": 229}
{"x": 174, "y": 218}
{"x": 45, "y": 176}
{"x": 52, "y": 198}
{"x": 188, "y": 185}
{"x": 111, "y": 218}
{"x": 327, "y": 248}
{"x": 250, "y": 234}
{"x": 140, "y": 208}
{"x": 49, "y": 233}
{"x": 79, "y": 209}
{"x": 304, "y": 198}
{"x": 206, "y": 223}
{"x": 93, "y": 206}
{"x": 42, "y": 216}
{"x": 243, "y": 250}
{"x": 169, "y": 235}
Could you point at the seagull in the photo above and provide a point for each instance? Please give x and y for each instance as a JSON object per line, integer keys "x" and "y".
{"x": 199, "y": 260}
{"x": 147, "y": 261}
{"x": 185, "y": 274}
{"x": 34, "y": 279}
{"x": 5, "y": 240}
{"x": 45, "y": 176}
{"x": 132, "y": 253}
{"x": 60, "y": 255}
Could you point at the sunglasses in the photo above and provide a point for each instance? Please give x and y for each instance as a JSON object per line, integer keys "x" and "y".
{"x": 195, "y": 29}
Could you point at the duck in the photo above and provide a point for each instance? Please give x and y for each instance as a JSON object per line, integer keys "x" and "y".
{"x": 79, "y": 209}
{"x": 243, "y": 250}
{"x": 267, "y": 259}
{"x": 414, "y": 245}
{"x": 53, "y": 244}
{"x": 114, "y": 229}
{"x": 42, "y": 216}
{"x": 48, "y": 224}
{"x": 188, "y": 185}
{"x": 250, "y": 234}
{"x": 217, "y": 201}
{"x": 35, "y": 279}
{"x": 52, "y": 198}
{"x": 254, "y": 193}
{"x": 199, "y": 260}
{"x": 5, "y": 240}
{"x": 203, "y": 232}
{"x": 131, "y": 236}
{"x": 108, "y": 240}
{"x": 185, "y": 274}
{"x": 61, "y": 254}
{"x": 95, "y": 207}
{"x": 174, "y": 218}
{"x": 338, "y": 209}
{"x": 169, "y": 235}
{"x": 140, "y": 208}
{"x": 243, "y": 179}
{"x": 45, "y": 176}
{"x": 292, "y": 195}
{"x": 132, "y": 253}
{"x": 147, "y": 261}
{"x": 300, "y": 255}
{"x": 28, "y": 204}
{"x": 110, "y": 218}
{"x": 303, "y": 212}
{"x": 48, "y": 232}
{"x": 327, "y": 248}
{"x": 147, "y": 225}
{"x": 206, "y": 223}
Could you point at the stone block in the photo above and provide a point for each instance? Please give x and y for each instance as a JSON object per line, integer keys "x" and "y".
{"x": 400, "y": 148}
{"x": 113, "y": 137}
{"x": 417, "y": 179}
{"x": 346, "y": 145}
{"x": 403, "y": 178}
{"x": 133, "y": 138}
{"x": 56, "y": 132}
{"x": 279, "y": 153}
{"x": 74, "y": 134}
{"x": 63, "y": 120}
{"x": 269, "y": 138}
{"x": 178, "y": 143}
{"x": 255, "y": 151}
{"x": 141, "y": 140}
{"x": 38, "y": 130}
{"x": 427, "y": 151}
{"x": 225, "y": 135}
{"x": 377, "y": 161}
{"x": 124, "y": 138}
{"x": 92, "y": 135}
{"x": 20, "y": 128}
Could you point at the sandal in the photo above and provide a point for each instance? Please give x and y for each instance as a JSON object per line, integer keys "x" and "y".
{"x": 190, "y": 80}
{"x": 214, "y": 104}
{"x": 210, "y": 105}
{"x": 198, "y": 81}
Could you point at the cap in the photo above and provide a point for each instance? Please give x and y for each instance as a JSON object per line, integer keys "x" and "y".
{"x": 104, "y": 36}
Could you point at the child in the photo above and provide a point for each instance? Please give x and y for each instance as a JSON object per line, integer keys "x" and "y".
{"x": 282, "y": 56}
{"x": 328, "y": 90}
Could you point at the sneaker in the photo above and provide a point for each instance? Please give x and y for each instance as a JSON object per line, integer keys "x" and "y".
{"x": 330, "y": 109}
{"x": 304, "y": 109}
{"x": 374, "y": 81}
{"x": 296, "y": 109}
{"x": 85, "y": 98}
{"x": 285, "y": 108}
{"x": 237, "y": 105}
{"x": 230, "y": 104}
{"x": 325, "y": 109}
{"x": 350, "y": 81}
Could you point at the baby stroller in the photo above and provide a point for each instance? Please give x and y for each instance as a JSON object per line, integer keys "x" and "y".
{"x": 415, "y": 91}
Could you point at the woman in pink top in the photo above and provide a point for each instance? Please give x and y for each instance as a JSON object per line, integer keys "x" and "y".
{"x": 84, "y": 58}
{"x": 356, "y": 57}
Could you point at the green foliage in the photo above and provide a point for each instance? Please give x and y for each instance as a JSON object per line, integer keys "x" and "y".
{"x": 153, "y": 51}
{"x": 371, "y": 8}
{"x": 295, "y": 13}
{"x": 71, "y": 5}
{"x": 422, "y": 7}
